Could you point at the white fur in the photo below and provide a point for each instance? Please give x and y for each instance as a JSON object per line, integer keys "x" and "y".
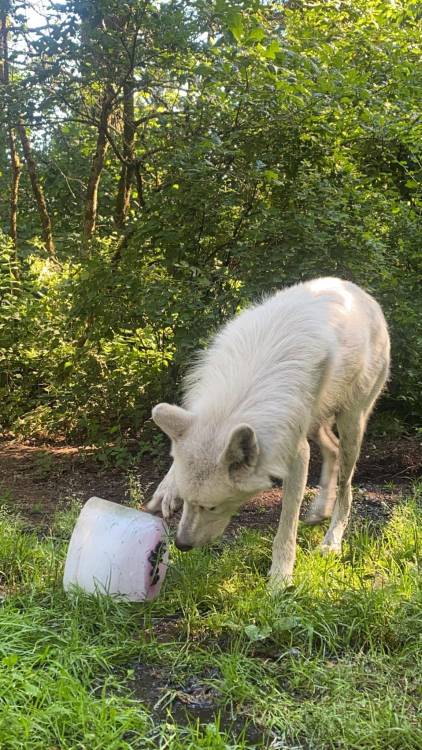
{"x": 281, "y": 371}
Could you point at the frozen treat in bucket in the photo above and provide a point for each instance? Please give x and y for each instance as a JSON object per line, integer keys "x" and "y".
{"x": 117, "y": 550}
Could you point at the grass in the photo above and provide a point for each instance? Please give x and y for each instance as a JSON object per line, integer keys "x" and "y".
{"x": 333, "y": 663}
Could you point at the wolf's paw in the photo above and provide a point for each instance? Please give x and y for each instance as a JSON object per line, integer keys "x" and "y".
{"x": 329, "y": 548}
{"x": 320, "y": 510}
{"x": 313, "y": 518}
{"x": 279, "y": 581}
{"x": 164, "y": 499}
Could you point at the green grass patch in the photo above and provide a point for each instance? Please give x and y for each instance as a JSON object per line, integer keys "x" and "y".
{"x": 215, "y": 662}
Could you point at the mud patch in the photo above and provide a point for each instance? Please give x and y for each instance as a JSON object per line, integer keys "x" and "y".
{"x": 192, "y": 699}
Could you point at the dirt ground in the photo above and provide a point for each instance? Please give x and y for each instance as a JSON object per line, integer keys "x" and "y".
{"x": 37, "y": 480}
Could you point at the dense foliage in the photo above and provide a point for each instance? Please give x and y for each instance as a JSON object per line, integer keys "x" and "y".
{"x": 191, "y": 156}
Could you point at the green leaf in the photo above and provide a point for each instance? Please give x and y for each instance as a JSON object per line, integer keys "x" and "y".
{"x": 10, "y": 660}
{"x": 256, "y": 35}
{"x": 235, "y": 24}
{"x": 287, "y": 623}
{"x": 271, "y": 176}
{"x": 255, "y": 633}
{"x": 272, "y": 49}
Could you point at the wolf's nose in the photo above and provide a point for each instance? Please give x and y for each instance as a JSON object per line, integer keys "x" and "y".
{"x": 183, "y": 547}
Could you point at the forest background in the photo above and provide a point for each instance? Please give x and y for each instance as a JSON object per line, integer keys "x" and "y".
{"x": 164, "y": 163}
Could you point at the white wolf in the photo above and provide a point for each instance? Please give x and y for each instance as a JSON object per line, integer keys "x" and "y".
{"x": 288, "y": 369}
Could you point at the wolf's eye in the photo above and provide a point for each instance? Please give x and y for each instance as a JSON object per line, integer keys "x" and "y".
{"x": 202, "y": 507}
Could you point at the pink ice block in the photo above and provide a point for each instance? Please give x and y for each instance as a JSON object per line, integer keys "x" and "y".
{"x": 117, "y": 550}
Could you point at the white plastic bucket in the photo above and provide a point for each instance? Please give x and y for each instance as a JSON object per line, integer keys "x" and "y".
{"x": 117, "y": 550}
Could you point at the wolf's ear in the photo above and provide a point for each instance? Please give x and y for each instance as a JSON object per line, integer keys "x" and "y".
{"x": 241, "y": 452}
{"x": 173, "y": 420}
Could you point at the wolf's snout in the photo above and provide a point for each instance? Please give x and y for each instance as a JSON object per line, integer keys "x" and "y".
{"x": 183, "y": 547}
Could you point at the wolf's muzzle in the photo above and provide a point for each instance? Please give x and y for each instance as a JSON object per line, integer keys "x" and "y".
{"x": 183, "y": 547}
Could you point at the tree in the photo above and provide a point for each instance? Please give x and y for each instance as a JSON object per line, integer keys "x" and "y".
{"x": 263, "y": 143}
{"x": 15, "y": 162}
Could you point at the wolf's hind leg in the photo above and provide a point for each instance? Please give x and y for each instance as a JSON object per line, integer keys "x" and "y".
{"x": 322, "y": 506}
{"x": 351, "y": 427}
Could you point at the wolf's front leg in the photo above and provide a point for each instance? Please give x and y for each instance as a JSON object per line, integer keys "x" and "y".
{"x": 166, "y": 497}
{"x": 284, "y": 547}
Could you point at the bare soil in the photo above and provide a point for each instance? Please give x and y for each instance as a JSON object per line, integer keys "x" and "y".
{"x": 190, "y": 698}
{"x": 37, "y": 480}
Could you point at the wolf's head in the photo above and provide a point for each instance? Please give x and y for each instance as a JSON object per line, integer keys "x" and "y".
{"x": 216, "y": 471}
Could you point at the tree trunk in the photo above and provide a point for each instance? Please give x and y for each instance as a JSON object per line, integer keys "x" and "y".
{"x": 14, "y": 187}
{"x": 4, "y": 57}
{"x": 97, "y": 164}
{"x": 139, "y": 186}
{"x": 15, "y": 161}
{"x": 37, "y": 189}
{"x": 127, "y": 170}
{"x": 16, "y": 166}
